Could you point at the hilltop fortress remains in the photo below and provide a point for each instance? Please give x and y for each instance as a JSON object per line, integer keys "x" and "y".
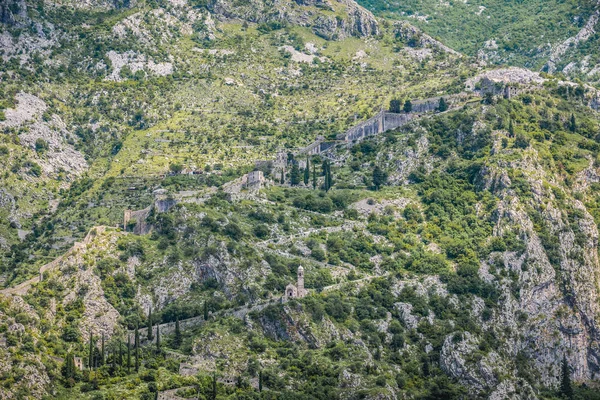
{"x": 505, "y": 82}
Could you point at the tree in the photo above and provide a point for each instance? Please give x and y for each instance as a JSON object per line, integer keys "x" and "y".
{"x": 158, "y": 337}
{"x": 129, "y": 351}
{"x": 102, "y": 353}
{"x": 150, "y": 336}
{"x": 137, "y": 349}
{"x": 566, "y": 388}
{"x": 511, "y": 129}
{"x": 408, "y": 106}
{"x": 443, "y": 106}
{"x": 260, "y": 381}
{"x": 395, "y": 106}
{"x": 176, "y": 168}
{"x": 307, "y": 172}
{"x": 178, "y": 339}
{"x": 91, "y": 355}
{"x": 327, "y": 173}
{"x": 120, "y": 353}
{"x": 314, "y": 177}
{"x": 573, "y": 124}
{"x": 379, "y": 177}
{"x": 68, "y": 370}
{"x": 282, "y": 179}
{"x": 295, "y": 175}
{"x": 205, "y": 311}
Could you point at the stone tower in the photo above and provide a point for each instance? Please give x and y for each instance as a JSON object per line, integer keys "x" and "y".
{"x": 301, "y": 291}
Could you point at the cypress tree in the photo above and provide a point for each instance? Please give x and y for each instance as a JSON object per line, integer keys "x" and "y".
{"x": 150, "y": 335}
{"x": 68, "y": 369}
{"x": 178, "y": 339}
{"x": 120, "y": 353}
{"x": 114, "y": 359}
{"x": 158, "y": 337}
{"x": 137, "y": 348}
{"x": 325, "y": 168}
{"x": 566, "y": 388}
{"x": 511, "y": 129}
{"x": 443, "y": 106}
{"x": 128, "y": 352}
{"x": 573, "y": 125}
{"x": 260, "y": 379}
{"x": 306, "y": 172}
{"x": 327, "y": 172}
{"x": 91, "y": 355}
{"x": 408, "y": 106}
{"x": 395, "y": 106}
{"x": 282, "y": 179}
{"x": 379, "y": 177}
{"x": 314, "y": 180}
{"x": 295, "y": 175}
{"x": 205, "y": 311}
{"x": 102, "y": 353}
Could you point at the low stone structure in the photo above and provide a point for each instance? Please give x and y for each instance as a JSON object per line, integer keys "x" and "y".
{"x": 141, "y": 227}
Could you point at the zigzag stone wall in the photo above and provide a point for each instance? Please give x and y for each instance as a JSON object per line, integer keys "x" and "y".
{"x": 382, "y": 122}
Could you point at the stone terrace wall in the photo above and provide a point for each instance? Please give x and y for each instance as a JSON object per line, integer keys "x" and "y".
{"x": 393, "y": 121}
{"x": 370, "y": 127}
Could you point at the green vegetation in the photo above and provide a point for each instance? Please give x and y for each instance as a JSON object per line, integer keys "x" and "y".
{"x": 512, "y": 32}
{"x": 412, "y": 242}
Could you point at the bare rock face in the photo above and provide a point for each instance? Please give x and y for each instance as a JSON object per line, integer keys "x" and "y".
{"x": 583, "y": 35}
{"x": 556, "y": 312}
{"x": 417, "y": 38}
{"x": 13, "y": 12}
{"x": 60, "y": 155}
{"x": 480, "y": 375}
{"x": 357, "y": 21}
{"x": 98, "y": 4}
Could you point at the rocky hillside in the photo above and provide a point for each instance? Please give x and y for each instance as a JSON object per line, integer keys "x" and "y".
{"x": 555, "y": 36}
{"x": 454, "y": 257}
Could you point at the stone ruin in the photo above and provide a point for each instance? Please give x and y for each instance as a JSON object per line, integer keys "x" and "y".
{"x": 254, "y": 181}
{"x": 249, "y": 184}
{"x": 141, "y": 226}
{"x": 498, "y": 88}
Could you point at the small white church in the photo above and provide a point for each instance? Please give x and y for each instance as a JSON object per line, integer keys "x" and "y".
{"x": 295, "y": 291}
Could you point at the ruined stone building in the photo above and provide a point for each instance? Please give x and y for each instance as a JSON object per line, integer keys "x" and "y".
{"x": 499, "y": 87}
{"x": 139, "y": 216}
{"x": 254, "y": 180}
{"x": 295, "y": 291}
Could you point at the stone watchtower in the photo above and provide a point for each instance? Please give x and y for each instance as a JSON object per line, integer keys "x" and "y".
{"x": 301, "y": 290}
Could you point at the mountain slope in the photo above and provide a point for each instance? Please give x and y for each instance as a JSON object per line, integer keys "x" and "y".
{"x": 558, "y": 36}
{"x": 454, "y": 257}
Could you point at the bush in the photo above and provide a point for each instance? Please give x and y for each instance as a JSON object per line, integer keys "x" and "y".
{"x": 41, "y": 146}
{"x": 261, "y": 231}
